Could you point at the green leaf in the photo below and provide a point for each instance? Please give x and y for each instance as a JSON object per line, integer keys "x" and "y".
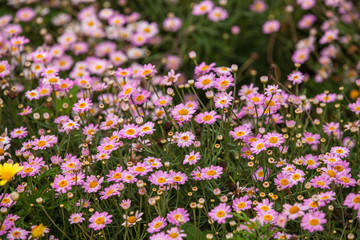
{"x": 192, "y": 232}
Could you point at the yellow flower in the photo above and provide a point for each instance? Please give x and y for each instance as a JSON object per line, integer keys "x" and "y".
{"x": 38, "y": 231}
{"x": 8, "y": 171}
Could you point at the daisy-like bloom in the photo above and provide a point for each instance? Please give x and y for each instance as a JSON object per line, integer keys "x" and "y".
{"x": 223, "y": 100}
{"x": 313, "y": 221}
{"x": 207, "y": 117}
{"x": 205, "y": 81}
{"x": 341, "y": 152}
{"x": 182, "y": 112}
{"x": 171, "y": 78}
{"x": 241, "y": 204}
{"x": 192, "y": 158}
{"x": 202, "y": 8}
{"x": 294, "y": 211}
{"x": 307, "y": 21}
{"x": 326, "y": 98}
{"x": 17, "y": 233}
{"x": 311, "y": 138}
{"x": 163, "y": 101}
{"x": 130, "y": 131}
{"x": 258, "y": 6}
{"x": 20, "y": 132}
{"x": 6, "y": 200}
{"x": 62, "y": 184}
{"x": 223, "y": 71}
{"x": 352, "y": 201}
{"x": 32, "y": 94}
{"x": 271, "y": 26}
{"x": 76, "y": 218}
{"x": 300, "y": 56}
{"x": 331, "y": 128}
{"x": 83, "y": 105}
{"x": 184, "y": 139}
{"x": 224, "y": 82}
{"x": 311, "y": 161}
{"x": 329, "y": 36}
{"x": 355, "y": 107}
{"x": 157, "y": 224}
{"x": 70, "y": 125}
{"x": 26, "y": 111}
{"x": 240, "y": 132}
{"x": 110, "y": 122}
{"x": 140, "y": 169}
{"x": 267, "y": 217}
{"x": 115, "y": 175}
{"x": 178, "y": 178}
{"x": 283, "y": 181}
{"x": 99, "y": 220}
{"x": 132, "y": 220}
{"x": 140, "y": 96}
{"x": 84, "y": 203}
{"x": 153, "y": 162}
{"x": 220, "y": 213}
{"x": 175, "y": 233}
{"x": 4, "y": 68}
{"x": 178, "y": 216}
{"x": 258, "y": 146}
{"x": 92, "y": 184}
{"x": 218, "y": 14}
{"x": 38, "y": 231}
{"x": 296, "y": 77}
{"x": 245, "y": 90}
{"x": 128, "y": 177}
{"x": 159, "y": 236}
{"x": 306, "y": 4}
{"x": 273, "y": 139}
{"x": 148, "y": 71}
{"x": 128, "y": 90}
{"x": 90, "y": 130}
{"x": 204, "y": 68}
{"x": 147, "y": 129}
{"x": 345, "y": 179}
{"x": 8, "y": 171}
{"x": 212, "y": 172}
{"x": 323, "y": 181}
{"x": 327, "y": 197}
{"x": 172, "y": 24}
{"x": 112, "y": 190}
{"x": 159, "y": 178}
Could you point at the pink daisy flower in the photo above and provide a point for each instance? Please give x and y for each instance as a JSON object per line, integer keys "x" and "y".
{"x": 205, "y": 82}
{"x": 184, "y": 139}
{"x": 159, "y": 178}
{"x": 62, "y": 184}
{"x": 130, "y": 131}
{"x": 99, "y": 220}
{"x": 241, "y": 204}
{"x": 83, "y": 105}
{"x": 220, "y": 213}
{"x": 352, "y": 201}
{"x": 294, "y": 211}
{"x": 313, "y": 221}
{"x": 271, "y": 26}
{"x": 223, "y": 100}
{"x": 182, "y": 112}
{"x": 92, "y": 184}
{"x": 157, "y": 224}
{"x": 192, "y": 158}
{"x": 207, "y": 117}
{"x": 76, "y": 218}
{"x": 273, "y": 139}
{"x": 174, "y": 216}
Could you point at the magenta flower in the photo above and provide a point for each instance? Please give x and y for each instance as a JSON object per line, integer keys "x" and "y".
{"x": 220, "y": 213}
{"x": 313, "y": 221}
{"x": 99, "y": 220}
